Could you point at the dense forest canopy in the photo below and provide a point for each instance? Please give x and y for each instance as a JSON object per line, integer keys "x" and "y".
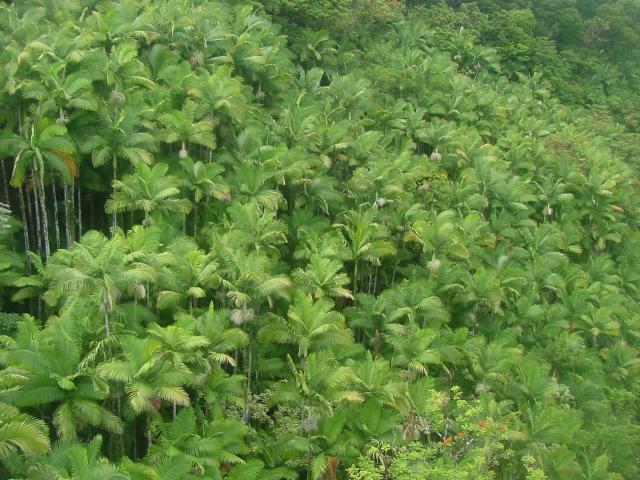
{"x": 319, "y": 239}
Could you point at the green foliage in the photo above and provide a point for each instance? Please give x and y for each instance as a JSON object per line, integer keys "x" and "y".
{"x": 319, "y": 239}
{"x": 337, "y": 14}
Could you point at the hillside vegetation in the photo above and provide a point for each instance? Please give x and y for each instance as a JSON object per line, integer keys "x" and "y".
{"x": 336, "y": 239}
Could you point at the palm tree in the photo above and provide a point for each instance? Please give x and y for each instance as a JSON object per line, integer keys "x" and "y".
{"x": 149, "y": 190}
{"x": 119, "y": 135}
{"x": 47, "y": 367}
{"x": 311, "y": 325}
{"x": 255, "y": 470}
{"x": 220, "y": 95}
{"x": 322, "y": 385}
{"x": 215, "y": 326}
{"x": 75, "y": 461}
{"x": 204, "y": 181}
{"x": 255, "y": 227}
{"x": 377, "y": 381}
{"x": 58, "y": 91}
{"x": 22, "y": 432}
{"x": 101, "y": 268}
{"x": 207, "y": 444}
{"x": 43, "y": 145}
{"x": 370, "y": 317}
{"x": 193, "y": 271}
{"x": 147, "y": 379}
{"x": 414, "y": 350}
{"x": 182, "y": 126}
{"x": 366, "y": 240}
{"x": 322, "y": 277}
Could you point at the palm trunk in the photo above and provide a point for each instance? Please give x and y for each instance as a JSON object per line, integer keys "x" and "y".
{"x": 67, "y": 214}
{"x": 375, "y": 281}
{"x": 7, "y": 199}
{"x": 107, "y": 331}
{"x": 195, "y": 219}
{"x": 115, "y": 177}
{"x": 355, "y": 277}
{"x": 79, "y": 211}
{"x": 25, "y": 226}
{"x": 45, "y": 220}
{"x": 247, "y": 411}
{"x": 36, "y": 215}
{"x": 55, "y": 215}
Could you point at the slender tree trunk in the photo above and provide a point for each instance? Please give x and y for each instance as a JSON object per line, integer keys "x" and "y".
{"x": 107, "y": 331}
{"x": 247, "y": 412}
{"x": 235, "y": 361}
{"x": 115, "y": 177}
{"x": 55, "y": 215}
{"x": 195, "y": 219}
{"x": 375, "y": 281}
{"x": 5, "y": 185}
{"x": 355, "y": 277}
{"x": 36, "y": 209}
{"x": 45, "y": 220}
{"x": 25, "y": 226}
{"x": 67, "y": 214}
{"x": 79, "y": 211}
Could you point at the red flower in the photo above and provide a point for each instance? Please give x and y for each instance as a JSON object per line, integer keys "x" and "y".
{"x": 447, "y": 441}
{"x": 459, "y": 435}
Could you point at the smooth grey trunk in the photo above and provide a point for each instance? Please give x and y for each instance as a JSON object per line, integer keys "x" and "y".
{"x": 25, "y": 224}
{"x": 375, "y": 281}
{"x": 30, "y": 218}
{"x": 355, "y": 277}
{"x": 107, "y": 331}
{"x": 55, "y": 215}
{"x": 115, "y": 177}
{"x": 67, "y": 214}
{"x": 247, "y": 412}
{"x": 36, "y": 209}
{"x": 45, "y": 220}
{"x": 195, "y": 219}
